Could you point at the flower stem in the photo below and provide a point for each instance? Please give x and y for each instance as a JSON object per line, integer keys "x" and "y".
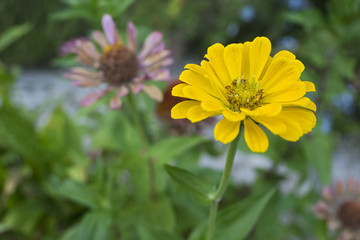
{"x": 222, "y": 187}
{"x": 136, "y": 118}
{"x": 145, "y": 142}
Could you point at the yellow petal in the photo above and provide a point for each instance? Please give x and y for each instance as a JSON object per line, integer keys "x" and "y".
{"x": 267, "y": 110}
{"x": 233, "y": 116}
{"x": 196, "y": 93}
{"x": 233, "y": 59}
{"x": 215, "y": 55}
{"x": 245, "y": 63}
{"x": 279, "y": 75}
{"x": 292, "y": 59}
{"x": 177, "y": 90}
{"x": 196, "y": 114}
{"x": 196, "y": 79}
{"x": 259, "y": 53}
{"x": 293, "y": 130}
{"x": 225, "y": 131}
{"x": 272, "y": 123}
{"x": 305, "y": 118}
{"x": 310, "y": 87}
{"x": 303, "y": 102}
{"x": 294, "y": 92}
{"x": 255, "y": 137}
{"x": 179, "y": 110}
{"x": 214, "y": 105}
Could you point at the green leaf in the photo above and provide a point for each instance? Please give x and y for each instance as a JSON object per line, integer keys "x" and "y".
{"x": 25, "y": 216}
{"x": 319, "y": 147}
{"x": 160, "y": 214}
{"x": 236, "y": 221}
{"x": 197, "y": 187}
{"x": 148, "y": 232}
{"x": 307, "y": 18}
{"x": 178, "y": 145}
{"x": 12, "y": 34}
{"x": 79, "y": 193}
{"x": 95, "y": 225}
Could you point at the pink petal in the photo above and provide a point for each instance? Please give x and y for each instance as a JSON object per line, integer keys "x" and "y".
{"x": 158, "y": 48}
{"x": 136, "y": 87}
{"x": 94, "y": 96}
{"x": 153, "y": 92}
{"x": 100, "y": 39}
{"x": 115, "y": 102}
{"x": 160, "y": 75}
{"x": 154, "y": 58}
{"x": 151, "y": 42}
{"x": 123, "y": 91}
{"x": 109, "y": 28}
{"x": 131, "y": 34}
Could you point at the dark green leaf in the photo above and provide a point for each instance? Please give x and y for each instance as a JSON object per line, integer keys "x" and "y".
{"x": 236, "y": 221}
{"x": 79, "y": 193}
{"x": 193, "y": 184}
{"x": 170, "y": 148}
{"x": 12, "y": 34}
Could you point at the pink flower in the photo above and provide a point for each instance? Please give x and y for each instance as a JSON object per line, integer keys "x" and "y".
{"x": 108, "y": 60}
{"x": 340, "y": 207}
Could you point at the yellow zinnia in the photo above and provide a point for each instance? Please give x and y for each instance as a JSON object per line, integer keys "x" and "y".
{"x": 245, "y": 84}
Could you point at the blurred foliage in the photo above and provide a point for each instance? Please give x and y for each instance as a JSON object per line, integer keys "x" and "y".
{"x": 87, "y": 176}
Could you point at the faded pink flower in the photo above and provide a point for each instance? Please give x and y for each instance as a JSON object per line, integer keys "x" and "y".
{"x": 108, "y": 60}
{"x": 340, "y": 207}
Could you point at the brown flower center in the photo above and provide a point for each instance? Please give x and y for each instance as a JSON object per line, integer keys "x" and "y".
{"x": 119, "y": 64}
{"x": 349, "y": 214}
{"x": 244, "y": 93}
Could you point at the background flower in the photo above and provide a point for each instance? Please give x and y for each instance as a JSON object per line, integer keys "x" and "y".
{"x": 340, "y": 207}
{"x": 108, "y": 60}
{"x": 246, "y": 85}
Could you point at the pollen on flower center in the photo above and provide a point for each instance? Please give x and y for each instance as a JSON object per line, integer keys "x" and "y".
{"x": 118, "y": 64}
{"x": 244, "y": 93}
{"x": 349, "y": 214}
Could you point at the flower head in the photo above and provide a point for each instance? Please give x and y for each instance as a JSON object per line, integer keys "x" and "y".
{"x": 109, "y": 60}
{"x": 179, "y": 126}
{"x": 340, "y": 207}
{"x": 245, "y": 84}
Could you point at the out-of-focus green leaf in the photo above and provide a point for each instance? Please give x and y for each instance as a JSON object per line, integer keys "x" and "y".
{"x": 160, "y": 214}
{"x": 12, "y": 34}
{"x": 62, "y": 134}
{"x": 168, "y": 149}
{"x": 192, "y": 183}
{"x": 318, "y": 152}
{"x": 148, "y": 232}
{"x": 17, "y": 133}
{"x": 71, "y": 14}
{"x": 307, "y": 18}
{"x": 236, "y": 221}
{"x": 24, "y": 217}
{"x": 95, "y": 225}
{"x": 79, "y": 193}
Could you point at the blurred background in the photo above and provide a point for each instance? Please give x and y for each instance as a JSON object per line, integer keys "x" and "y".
{"x": 50, "y": 147}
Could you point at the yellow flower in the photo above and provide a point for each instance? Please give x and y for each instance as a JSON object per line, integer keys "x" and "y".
{"x": 245, "y": 84}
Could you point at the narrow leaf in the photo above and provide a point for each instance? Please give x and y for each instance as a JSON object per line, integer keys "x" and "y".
{"x": 193, "y": 184}
{"x": 178, "y": 145}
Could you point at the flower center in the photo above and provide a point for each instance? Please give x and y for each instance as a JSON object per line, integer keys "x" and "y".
{"x": 119, "y": 64}
{"x": 244, "y": 93}
{"x": 349, "y": 214}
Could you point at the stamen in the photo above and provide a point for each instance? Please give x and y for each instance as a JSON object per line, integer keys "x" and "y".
{"x": 119, "y": 64}
{"x": 244, "y": 93}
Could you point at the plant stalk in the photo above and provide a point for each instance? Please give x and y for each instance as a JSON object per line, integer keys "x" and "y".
{"x": 145, "y": 142}
{"x": 222, "y": 186}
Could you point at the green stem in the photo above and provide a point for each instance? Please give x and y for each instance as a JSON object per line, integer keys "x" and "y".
{"x": 222, "y": 187}
{"x": 145, "y": 141}
{"x": 136, "y": 117}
